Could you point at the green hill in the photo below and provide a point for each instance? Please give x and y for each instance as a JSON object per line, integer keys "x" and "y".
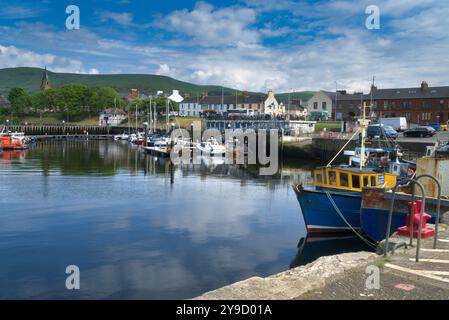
{"x": 303, "y": 95}
{"x": 30, "y": 80}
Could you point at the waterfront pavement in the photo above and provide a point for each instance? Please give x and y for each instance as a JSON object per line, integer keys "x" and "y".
{"x": 345, "y": 276}
{"x": 401, "y": 277}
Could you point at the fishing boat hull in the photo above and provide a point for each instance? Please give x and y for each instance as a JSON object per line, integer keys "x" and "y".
{"x": 375, "y": 210}
{"x": 14, "y": 148}
{"x": 322, "y": 218}
{"x": 374, "y": 222}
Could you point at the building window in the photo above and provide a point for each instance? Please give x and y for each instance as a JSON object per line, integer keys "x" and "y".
{"x": 315, "y": 106}
{"x": 426, "y": 116}
{"x": 385, "y": 104}
{"x": 324, "y": 105}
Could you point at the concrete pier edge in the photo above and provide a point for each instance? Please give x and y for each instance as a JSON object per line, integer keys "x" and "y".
{"x": 294, "y": 283}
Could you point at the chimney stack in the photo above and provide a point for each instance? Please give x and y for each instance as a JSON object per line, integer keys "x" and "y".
{"x": 424, "y": 86}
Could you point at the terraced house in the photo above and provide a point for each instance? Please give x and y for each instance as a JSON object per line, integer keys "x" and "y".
{"x": 243, "y": 104}
{"x": 420, "y": 105}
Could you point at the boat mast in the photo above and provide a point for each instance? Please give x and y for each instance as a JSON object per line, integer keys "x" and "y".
{"x": 362, "y": 151}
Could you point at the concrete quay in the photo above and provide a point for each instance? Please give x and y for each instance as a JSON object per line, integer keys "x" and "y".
{"x": 345, "y": 277}
{"x": 401, "y": 277}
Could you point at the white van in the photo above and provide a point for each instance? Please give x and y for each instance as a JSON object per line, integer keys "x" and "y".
{"x": 398, "y": 124}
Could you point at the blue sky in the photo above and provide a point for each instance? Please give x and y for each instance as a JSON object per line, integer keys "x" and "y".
{"x": 248, "y": 44}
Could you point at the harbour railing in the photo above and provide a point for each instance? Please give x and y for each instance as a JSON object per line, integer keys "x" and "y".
{"x": 415, "y": 182}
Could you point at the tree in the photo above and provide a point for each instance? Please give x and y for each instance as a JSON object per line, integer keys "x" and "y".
{"x": 20, "y": 100}
{"x": 72, "y": 98}
{"x": 101, "y": 98}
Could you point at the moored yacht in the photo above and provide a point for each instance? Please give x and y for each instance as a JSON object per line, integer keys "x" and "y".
{"x": 212, "y": 147}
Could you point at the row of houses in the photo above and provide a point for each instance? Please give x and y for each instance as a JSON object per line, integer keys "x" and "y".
{"x": 421, "y": 105}
{"x": 240, "y": 104}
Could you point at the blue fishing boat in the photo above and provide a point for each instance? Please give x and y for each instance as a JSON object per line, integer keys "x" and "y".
{"x": 332, "y": 205}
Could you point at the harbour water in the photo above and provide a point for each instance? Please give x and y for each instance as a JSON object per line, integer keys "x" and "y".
{"x": 139, "y": 227}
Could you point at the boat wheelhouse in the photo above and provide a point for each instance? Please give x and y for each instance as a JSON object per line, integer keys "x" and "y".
{"x": 350, "y": 179}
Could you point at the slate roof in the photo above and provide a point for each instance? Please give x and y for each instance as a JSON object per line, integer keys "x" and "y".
{"x": 399, "y": 94}
{"x": 217, "y": 100}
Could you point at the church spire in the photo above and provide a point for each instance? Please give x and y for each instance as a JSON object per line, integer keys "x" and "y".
{"x": 45, "y": 84}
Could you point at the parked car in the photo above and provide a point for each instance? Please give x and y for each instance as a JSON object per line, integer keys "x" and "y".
{"x": 443, "y": 151}
{"x": 420, "y": 132}
{"x": 381, "y": 131}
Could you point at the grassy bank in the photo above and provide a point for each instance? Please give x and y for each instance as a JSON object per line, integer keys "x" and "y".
{"x": 329, "y": 125}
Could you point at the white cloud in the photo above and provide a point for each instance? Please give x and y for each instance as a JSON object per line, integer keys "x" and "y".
{"x": 15, "y": 12}
{"x": 93, "y": 71}
{"x": 165, "y": 70}
{"x": 11, "y": 57}
{"x": 209, "y": 26}
{"x": 124, "y": 18}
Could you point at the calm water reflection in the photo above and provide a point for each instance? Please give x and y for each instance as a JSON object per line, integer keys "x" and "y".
{"x": 137, "y": 226}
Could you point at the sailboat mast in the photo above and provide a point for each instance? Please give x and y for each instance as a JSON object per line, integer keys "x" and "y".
{"x": 167, "y": 116}
{"x": 362, "y": 151}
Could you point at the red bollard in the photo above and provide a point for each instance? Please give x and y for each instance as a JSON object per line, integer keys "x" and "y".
{"x": 425, "y": 232}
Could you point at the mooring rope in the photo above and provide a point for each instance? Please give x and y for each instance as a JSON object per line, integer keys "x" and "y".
{"x": 347, "y": 223}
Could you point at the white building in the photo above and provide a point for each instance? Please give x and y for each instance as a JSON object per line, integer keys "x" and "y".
{"x": 190, "y": 107}
{"x": 112, "y": 117}
{"x": 245, "y": 104}
{"x": 176, "y": 97}
{"x": 272, "y": 107}
{"x": 320, "y": 106}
